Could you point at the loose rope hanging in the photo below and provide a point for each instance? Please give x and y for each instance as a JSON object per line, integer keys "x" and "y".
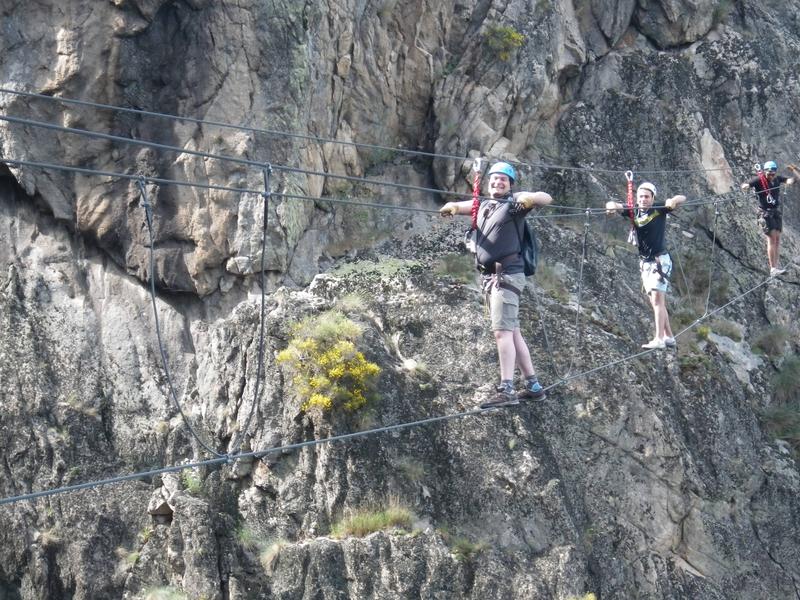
{"x": 538, "y": 304}
{"x": 711, "y": 258}
{"x": 164, "y": 363}
{"x": 266, "y": 195}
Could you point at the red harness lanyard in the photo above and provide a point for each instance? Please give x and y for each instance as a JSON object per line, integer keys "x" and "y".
{"x": 764, "y": 183}
{"x": 629, "y": 205}
{"x": 476, "y": 192}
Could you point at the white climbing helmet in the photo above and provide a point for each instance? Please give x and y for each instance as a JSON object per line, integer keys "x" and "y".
{"x": 647, "y": 186}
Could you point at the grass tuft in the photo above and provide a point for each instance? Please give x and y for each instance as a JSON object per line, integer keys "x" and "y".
{"x": 269, "y": 555}
{"x": 165, "y": 593}
{"x": 191, "y": 482}
{"x": 365, "y": 521}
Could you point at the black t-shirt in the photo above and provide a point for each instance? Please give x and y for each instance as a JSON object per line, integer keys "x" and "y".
{"x": 769, "y": 197}
{"x": 651, "y": 227}
{"x": 500, "y": 234}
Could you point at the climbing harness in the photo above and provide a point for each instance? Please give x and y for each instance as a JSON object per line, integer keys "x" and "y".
{"x": 762, "y": 178}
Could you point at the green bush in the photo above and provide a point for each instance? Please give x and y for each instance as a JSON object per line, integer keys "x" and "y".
{"x": 352, "y": 304}
{"x": 691, "y": 358}
{"x": 727, "y": 328}
{"x": 364, "y": 522}
{"x": 721, "y": 12}
{"x": 191, "y": 482}
{"x": 327, "y": 370}
{"x": 772, "y": 340}
{"x": 683, "y": 316}
{"x": 412, "y": 468}
{"x": 457, "y": 266}
{"x": 465, "y": 549}
{"x": 551, "y": 283}
{"x": 691, "y": 279}
{"x": 462, "y": 548}
{"x": 783, "y": 422}
{"x": 786, "y": 383}
{"x": 502, "y": 40}
{"x": 378, "y": 156}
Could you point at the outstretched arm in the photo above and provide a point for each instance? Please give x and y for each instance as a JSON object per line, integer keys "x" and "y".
{"x": 612, "y": 207}
{"x": 793, "y": 168}
{"x": 532, "y": 199}
{"x": 675, "y": 202}
{"x": 463, "y": 207}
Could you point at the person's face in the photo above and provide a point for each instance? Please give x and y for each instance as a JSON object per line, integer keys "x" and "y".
{"x": 644, "y": 199}
{"x": 499, "y": 185}
{"x": 771, "y": 174}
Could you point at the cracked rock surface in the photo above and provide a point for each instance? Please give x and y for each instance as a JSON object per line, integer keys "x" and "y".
{"x": 656, "y": 477}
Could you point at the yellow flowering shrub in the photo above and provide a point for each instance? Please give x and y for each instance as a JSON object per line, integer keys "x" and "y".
{"x": 502, "y": 40}
{"x": 326, "y": 368}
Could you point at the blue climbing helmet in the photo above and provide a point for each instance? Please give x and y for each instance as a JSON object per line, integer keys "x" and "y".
{"x": 771, "y": 166}
{"x": 505, "y": 169}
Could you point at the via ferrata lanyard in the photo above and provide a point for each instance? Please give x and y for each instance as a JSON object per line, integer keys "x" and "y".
{"x": 629, "y": 205}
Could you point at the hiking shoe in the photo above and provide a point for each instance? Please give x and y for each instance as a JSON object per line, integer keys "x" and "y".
{"x": 655, "y": 343}
{"x": 670, "y": 342}
{"x": 776, "y": 271}
{"x": 532, "y": 391}
{"x": 503, "y": 397}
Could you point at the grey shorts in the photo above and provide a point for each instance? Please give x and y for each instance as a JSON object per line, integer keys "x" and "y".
{"x": 652, "y": 280}
{"x": 504, "y": 303}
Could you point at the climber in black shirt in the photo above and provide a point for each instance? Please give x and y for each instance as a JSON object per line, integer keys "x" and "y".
{"x": 768, "y": 189}
{"x": 650, "y": 223}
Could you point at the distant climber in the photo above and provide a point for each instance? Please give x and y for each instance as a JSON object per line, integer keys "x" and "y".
{"x": 770, "y": 219}
{"x": 650, "y": 223}
{"x": 500, "y": 222}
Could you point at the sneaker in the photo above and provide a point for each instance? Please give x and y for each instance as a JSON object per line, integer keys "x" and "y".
{"x": 670, "y": 342}
{"x": 504, "y": 397}
{"x": 655, "y": 343}
{"x": 532, "y": 391}
{"x": 776, "y": 271}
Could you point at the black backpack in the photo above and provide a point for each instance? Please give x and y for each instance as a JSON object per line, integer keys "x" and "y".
{"x": 528, "y": 250}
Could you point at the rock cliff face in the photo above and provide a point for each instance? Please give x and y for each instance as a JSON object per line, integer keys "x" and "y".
{"x": 658, "y": 477}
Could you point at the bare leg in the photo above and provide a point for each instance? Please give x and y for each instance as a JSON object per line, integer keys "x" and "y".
{"x": 523, "y": 354}
{"x": 658, "y": 301}
{"x": 773, "y": 245}
{"x": 506, "y": 353}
